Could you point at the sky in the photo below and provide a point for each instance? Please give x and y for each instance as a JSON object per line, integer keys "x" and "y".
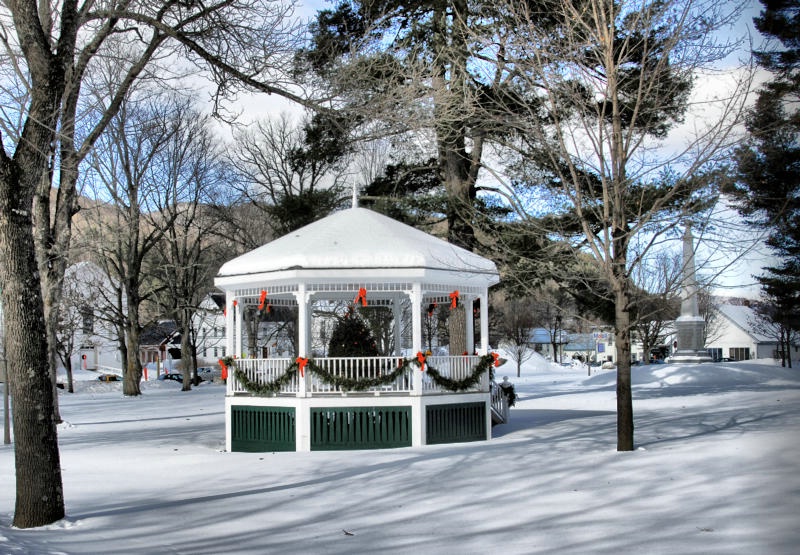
{"x": 714, "y": 471}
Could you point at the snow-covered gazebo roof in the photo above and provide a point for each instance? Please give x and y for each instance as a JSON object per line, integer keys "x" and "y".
{"x": 358, "y": 244}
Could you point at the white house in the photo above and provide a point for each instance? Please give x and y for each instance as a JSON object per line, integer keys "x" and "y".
{"x": 739, "y": 336}
{"x": 209, "y": 321}
{"x": 87, "y": 300}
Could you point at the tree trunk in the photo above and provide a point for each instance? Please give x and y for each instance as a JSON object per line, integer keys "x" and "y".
{"x": 133, "y": 364}
{"x": 39, "y": 491}
{"x": 623, "y": 344}
{"x": 189, "y": 370}
{"x": 457, "y": 325}
{"x": 68, "y": 369}
{"x": 459, "y": 169}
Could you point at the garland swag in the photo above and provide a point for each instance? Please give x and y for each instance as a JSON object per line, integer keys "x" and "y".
{"x": 485, "y": 363}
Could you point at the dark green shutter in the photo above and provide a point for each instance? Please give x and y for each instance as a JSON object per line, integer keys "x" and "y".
{"x": 455, "y": 423}
{"x": 262, "y": 429}
{"x": 360, "y": 428}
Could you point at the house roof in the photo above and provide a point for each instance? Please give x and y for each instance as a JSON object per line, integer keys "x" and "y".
{"x": 357, "y": 242}
{"x": 744, "y": 317}
{"x": 158, "y": 333}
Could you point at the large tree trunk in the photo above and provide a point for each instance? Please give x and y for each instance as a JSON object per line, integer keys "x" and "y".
{"x": 131, "y": 382}
{"x": 187, "y": 360}
{"x": 623, "y": 345}
{"x": 457, "y": 327}
{"x": 39, "y": 491}
{"x": 459, "y": 169}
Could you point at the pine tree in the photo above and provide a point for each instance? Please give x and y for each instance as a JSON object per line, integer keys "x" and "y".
{"x": 768, "y": 180}
{"x": 351, "y": 338}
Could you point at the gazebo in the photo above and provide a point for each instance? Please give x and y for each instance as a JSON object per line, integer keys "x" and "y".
{"x": 406, "y": 398}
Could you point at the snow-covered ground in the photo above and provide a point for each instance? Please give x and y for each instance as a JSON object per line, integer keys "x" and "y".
{"x": 716, "y": 471}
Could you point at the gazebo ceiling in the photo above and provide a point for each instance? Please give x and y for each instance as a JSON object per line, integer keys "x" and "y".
{"x": 357, "y": 244}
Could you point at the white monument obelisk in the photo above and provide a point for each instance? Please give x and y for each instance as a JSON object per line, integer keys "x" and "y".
{"x": 690, "y": 325}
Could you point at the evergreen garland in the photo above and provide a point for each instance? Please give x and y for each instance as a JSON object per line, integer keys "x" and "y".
{"x": 485, "y": 363}
{"x": 351, "y": 384}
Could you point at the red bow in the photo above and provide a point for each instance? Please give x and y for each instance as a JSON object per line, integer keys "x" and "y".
{"x": 496, "y": 358}
{"x": 362, "y": 296}
{"x": 224, "y": 373}
{"x": 262, "y": 299}
{"x": 454, "y": 299}
{"x": 421, "y": 360}
{"x": 301, "y": 365}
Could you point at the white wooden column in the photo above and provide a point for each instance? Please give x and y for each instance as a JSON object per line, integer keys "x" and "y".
{"x": 484, "y": 297}
{"x": 416, "y": 332}
{"x": 303, "y": 321}
{"x": 417, "y": 410}
{"x": 470, "y": 322}
{"x": 303, "y": 298}
{"x": 302, "y": 413}
{"x": 230, "y": 328}
{"x": 237, "y": 311}
{"x": 397, "y": 315}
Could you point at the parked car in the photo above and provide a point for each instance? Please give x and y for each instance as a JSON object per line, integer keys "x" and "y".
{"x": 208, "y": 373}
{"x": 173, "y": 376}
{"x": 108, "y": 377}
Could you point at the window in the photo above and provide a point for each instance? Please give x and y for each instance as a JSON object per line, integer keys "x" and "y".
{"x": 87, "y": 320}
{"x": 715, "y": 353}
{"x": 740, "y": 353}
{"x": 215, "y": 352}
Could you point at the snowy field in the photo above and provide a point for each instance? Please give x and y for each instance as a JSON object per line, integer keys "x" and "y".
{"x": 716, "y": 471}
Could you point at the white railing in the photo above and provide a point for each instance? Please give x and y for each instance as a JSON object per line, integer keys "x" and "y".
{"x": 262, "y": 371}
{"x": 265, "y": 370}
{"x": 455, "y": 368}
{"x": 360, "y": 369}
{"x": 499, "y": 403}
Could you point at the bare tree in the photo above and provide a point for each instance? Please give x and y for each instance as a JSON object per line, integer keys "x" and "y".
{"x": 188, "y": 253}
{"x": 153, "y": 163}
{"x": 71, "y": 316}
{"x": 708, "y": 307}
{"x": 654, "y": 298}
{"x": 597, "y": 95}
{"x": 517, "y": 325}
{"x": 286, "y": 174}
{"x": 49, "y": 48}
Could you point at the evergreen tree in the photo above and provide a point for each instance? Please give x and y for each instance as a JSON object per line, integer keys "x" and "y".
{"x": 351, "y": 338}
{"x": 412, "y": 70}
{"x": 768, "y": 184}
